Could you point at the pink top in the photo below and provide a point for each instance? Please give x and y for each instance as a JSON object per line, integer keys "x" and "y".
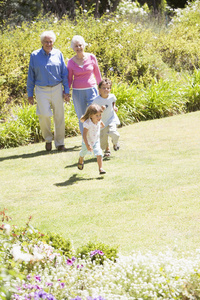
{"x": 85, "y": 76}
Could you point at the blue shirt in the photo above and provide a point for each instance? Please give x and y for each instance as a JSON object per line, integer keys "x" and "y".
{"x": 47, "y": 70}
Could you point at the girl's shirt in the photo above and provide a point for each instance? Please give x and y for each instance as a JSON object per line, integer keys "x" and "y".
{"x": 108, "y": 115}
{"x": 85, "y": 76}
{"x": 93, "y": 134}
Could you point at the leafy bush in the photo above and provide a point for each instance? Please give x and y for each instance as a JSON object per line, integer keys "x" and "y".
{"x": 192, "y": 92}
{"x": 30, "y": 234}
{"x": 97, "y": 252}
{"x": 146, "y": 63}
{"x": 58, "y": 242}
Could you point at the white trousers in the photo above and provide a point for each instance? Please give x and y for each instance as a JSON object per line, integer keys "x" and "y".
{"x": 109, "y": 131}
{"x": 48, "y": 99}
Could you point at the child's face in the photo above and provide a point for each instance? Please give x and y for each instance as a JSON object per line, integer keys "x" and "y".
{"x": 104, "y": 90}
{"x": 96, "y": 117}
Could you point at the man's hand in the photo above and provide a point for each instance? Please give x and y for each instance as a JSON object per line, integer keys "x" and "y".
{"x": 31, "y": 100}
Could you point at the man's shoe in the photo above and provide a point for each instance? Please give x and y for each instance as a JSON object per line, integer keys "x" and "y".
{"x": 48, "y": 146}
{"x": 116, "y": 147}
{"x": 62, "y": 148}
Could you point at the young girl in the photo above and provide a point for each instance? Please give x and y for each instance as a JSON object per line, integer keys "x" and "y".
{"x": 91, "y": 135}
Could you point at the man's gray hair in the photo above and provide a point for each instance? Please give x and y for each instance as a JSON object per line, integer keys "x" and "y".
{"x": 78, "y": 38}
{"x": 50, "y": 34}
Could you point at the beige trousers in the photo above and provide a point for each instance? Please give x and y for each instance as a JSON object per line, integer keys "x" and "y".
{"x": 48, "y": 99}
{"x": 109, "y": 131}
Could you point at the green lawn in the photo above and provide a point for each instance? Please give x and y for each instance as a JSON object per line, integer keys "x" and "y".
{"x": 148, "y": 200}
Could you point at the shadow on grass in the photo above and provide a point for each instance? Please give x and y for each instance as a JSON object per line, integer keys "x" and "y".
{"x": 85, "y": 162}
{"x": 39, "y": 153}
{"x": 76, "y": 178}
{"x": 88, "y": 161}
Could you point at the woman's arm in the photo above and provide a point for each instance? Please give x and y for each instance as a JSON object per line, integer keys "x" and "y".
{"x": 70, "y": 73}
{"x": 97, "y": 73}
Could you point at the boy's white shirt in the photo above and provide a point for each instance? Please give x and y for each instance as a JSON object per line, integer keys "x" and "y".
{"x": 109, "y": 115}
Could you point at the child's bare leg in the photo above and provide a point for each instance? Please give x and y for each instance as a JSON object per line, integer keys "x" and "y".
{"x": 81, "y": 159}
{"x": 81, "y": 163}
{"x": 99, "y": 161}
{"x": 100, "y": 164}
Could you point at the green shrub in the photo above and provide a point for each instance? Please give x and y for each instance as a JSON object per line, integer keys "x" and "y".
{"x": 97, "y": 252}
{"x": 140, "y": 59}
{"x": 29, "y": 234}
{"x": 58, "y": 242}
{"x": 160, "y": 99}
{"x": 22, "y": 127}
{"x": 163, "y": 99}
{"x": 27, "y": 116}
{"x": 192, "y": 92}
{"x": 71, "y": 120}
{"x": 13, "y": 134}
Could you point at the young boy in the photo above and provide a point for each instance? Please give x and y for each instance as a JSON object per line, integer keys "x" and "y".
{"x": 109, "y": 117}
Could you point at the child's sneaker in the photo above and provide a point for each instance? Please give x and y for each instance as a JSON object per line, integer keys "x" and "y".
{"x": 116, "y": 147}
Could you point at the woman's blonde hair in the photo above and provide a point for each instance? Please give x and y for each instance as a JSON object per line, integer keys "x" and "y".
{"x": 92, "y": 109}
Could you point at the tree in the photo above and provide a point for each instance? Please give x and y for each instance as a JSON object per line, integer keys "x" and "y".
{"x": 17, "y": 11}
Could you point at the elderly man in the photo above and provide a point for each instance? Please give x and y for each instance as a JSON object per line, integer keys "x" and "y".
{"x": 47, "y": 73}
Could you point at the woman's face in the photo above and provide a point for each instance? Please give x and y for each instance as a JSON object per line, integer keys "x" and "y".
{"x": 47, "y": 44}
{"x": 78, "y": 47}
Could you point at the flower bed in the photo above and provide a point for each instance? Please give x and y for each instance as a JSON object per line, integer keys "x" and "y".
{"x": 32, "y": 269}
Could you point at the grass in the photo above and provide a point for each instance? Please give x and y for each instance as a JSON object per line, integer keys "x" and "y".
{"x": 148, "y": 200}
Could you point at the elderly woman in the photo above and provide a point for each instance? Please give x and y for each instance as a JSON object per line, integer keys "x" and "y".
{"x": 84, "y": 76}
{"x": 47, "y": 73}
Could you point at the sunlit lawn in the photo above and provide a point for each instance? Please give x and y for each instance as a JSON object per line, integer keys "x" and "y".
{"x": 148, "y": 200}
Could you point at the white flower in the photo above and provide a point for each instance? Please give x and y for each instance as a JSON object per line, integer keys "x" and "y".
{"x": 19, "y": 255}
{"x": 7, "y": 229}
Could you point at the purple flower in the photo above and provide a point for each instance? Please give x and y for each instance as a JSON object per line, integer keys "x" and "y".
{"x": 77, "y": 298}
{"x": 38, "y": 278}
{"x": 37, "y": 287}
{"x": 42, "y": 294}
{"x": 79, "y": 266}
{"x": 92, "y": 253}
{"x": 28, "y": 277}
{"x": 73, "y": 259}
{"x": 49, "y": 284}
{"x": 62, "y": 285}
{"x": 70, "y": 262}
{"x": 50, "y": 297}
{"x": 96, "y": 298}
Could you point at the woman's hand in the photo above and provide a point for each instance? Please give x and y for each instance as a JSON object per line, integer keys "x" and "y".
{"x": 66, "y": 97}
